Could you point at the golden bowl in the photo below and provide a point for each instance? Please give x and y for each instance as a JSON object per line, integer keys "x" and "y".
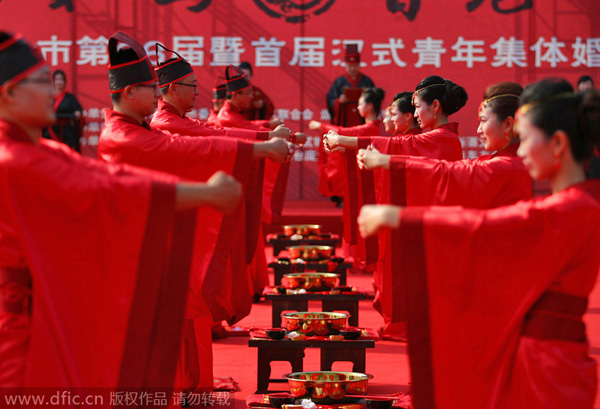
{"x": 314, "y": 323}
{"x": 302, "y": 229}
{"x": 310, "y": 281}
{"x": 310, "y": 252}
{"x": 328, "y": 387}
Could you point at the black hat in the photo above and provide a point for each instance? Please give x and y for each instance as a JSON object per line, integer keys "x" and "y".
{"x": 172, "y": 70}
{"x": 128, "y": 66}
{"x": 219, "y": 90}
{"x": 235, "y": 81}
{"x": 17, "y": 58}
{"x": 352, "y": 54}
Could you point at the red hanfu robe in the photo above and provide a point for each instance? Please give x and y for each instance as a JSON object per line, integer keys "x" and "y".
{"x": 496, "y": 299}
{"x": 486, "y": 182}
{"x": 341, "y": 172}
{"x": 167, "y": 119}
{"x": 274, "y": 188}
{"x": 440, "y": 143}
{"x": 332, "y": 177}
{"x": 275, "y": 182}
{"x": 124, "y": 140}
{"x": 108, "y": 262}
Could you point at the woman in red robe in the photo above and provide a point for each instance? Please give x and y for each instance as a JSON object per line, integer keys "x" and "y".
{"x": 485, "y": 182}
{"x": 339, "y": 172}
{"x": 95, "y": 319}
{"x": 496, "y": 297}
{"x": 331, "y": 165}
{"x": 435, "y": 99}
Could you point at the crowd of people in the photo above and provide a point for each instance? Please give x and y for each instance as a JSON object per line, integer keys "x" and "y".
{"x": 130, "y": 263}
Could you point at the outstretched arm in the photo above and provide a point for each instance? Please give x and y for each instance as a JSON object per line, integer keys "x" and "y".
{"x": 221, "y": 191}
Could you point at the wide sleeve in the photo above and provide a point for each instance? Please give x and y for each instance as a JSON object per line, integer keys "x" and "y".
{"x": 476, "y": 184}
{"x": 185, "y": 156}
{"x": 109, "y": 259}
{"x": 469, "y": 277}
{"x": 431, "y": 145}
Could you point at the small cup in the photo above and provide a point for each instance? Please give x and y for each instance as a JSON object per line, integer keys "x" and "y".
{"x": 278, "y": 399}
{"x": 350, "y": 333}
{"x": 275, "y": 333}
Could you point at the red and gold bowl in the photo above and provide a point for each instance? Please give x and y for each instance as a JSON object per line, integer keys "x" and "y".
{"x": 310, "y": 252}
{"x": 327, "y": 386}
{"x": 302, "y": 229}
{"x": 310, "y": 281}
{"x": 314, "y": 323}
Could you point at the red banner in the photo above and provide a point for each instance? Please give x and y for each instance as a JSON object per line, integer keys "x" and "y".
{"x": 296, "y": 49}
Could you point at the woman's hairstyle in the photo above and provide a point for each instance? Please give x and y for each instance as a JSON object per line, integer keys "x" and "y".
{"x": 374, "y": 96}
{"x": 502, "y": 99}
{"x": 452, "y": 97}
{"x": 59, "y": 72}
{"x": 403, "y": 102}
{"x": 551, "y": 105}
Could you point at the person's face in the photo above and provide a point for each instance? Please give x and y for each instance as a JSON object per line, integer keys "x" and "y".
{"x": 352, "y": 68}
{"x": 364, "y": 108}
{"x": 423, "y": 113}
{"x": 243, "y": 98}
{"x": 387, "y": 122}
{"x": 536, "y": 150}
{"x": 59, "y": 83}
{"x": 402, "y": 121}
{"x": 187, "y": 90}
{"x": 491, "y": 130}
{"x": 585, "y": 85}
{"x": 145, "y": 98}
{"x": 33, "y": 99}
{"x": 248, "y": 73}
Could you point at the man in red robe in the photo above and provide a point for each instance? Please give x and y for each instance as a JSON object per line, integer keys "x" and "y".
{"x": 261, "y": 106}
{"x": 239, "y": 91}
{"x": 126, "y": 138}
{"x": 218, "y": 100}
{"x": 178, "y": 87}
{"x": 96, "y": 319}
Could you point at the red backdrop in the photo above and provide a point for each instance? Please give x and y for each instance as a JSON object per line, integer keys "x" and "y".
{"x": 296, "y": 48}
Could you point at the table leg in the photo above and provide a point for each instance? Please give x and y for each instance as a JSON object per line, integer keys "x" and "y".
{"x": 356, "y": 356}
{"x": 266, "y": 355}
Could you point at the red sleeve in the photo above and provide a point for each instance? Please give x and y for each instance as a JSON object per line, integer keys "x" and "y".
{"x": 470, "y": 277}
{"x": 471, "y": 183}
{"x": 440, "y": 143}
{"x": 91, "y": 309}
{"x": 247, "y": 134}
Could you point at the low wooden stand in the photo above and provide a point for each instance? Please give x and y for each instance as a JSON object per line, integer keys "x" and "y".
{"x": 270, "y": 350}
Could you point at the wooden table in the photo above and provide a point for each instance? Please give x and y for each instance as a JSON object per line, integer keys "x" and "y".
{"x": 329, "y": 303}
{"x": 285, "y": 266}
{"x": 280, "y": 242}
{"x": 270, "y": 350}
